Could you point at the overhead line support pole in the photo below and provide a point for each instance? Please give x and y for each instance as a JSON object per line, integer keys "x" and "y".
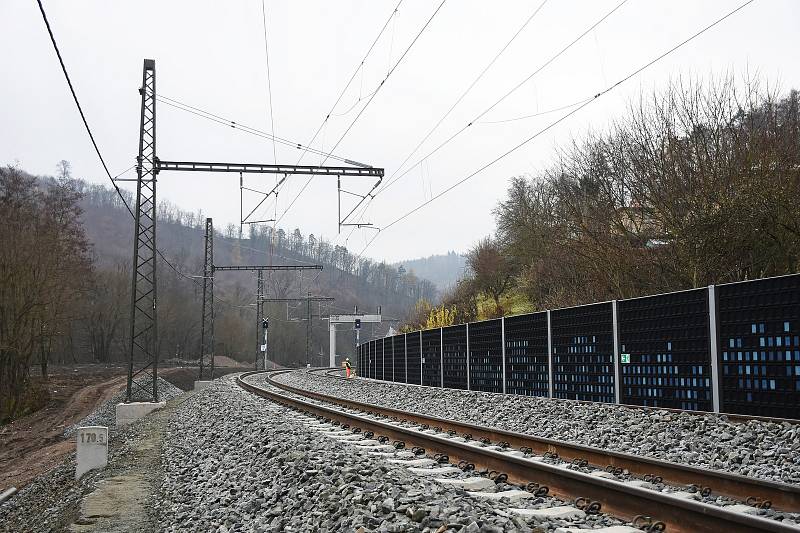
{"x": 259, "y": 313}
{"x": 308, "y": 326}
{"x": 207, "y": 324}
{"x": 143, "y": 348}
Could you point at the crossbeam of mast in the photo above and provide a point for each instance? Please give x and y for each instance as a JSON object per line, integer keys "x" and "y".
{"x": 268, "y": 267}
{"x": 256, "y": 168}
{"x": 311, "y": 298}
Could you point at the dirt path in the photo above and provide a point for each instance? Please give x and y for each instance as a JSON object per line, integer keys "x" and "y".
{"x": 34, "y": 444}
{"x": 122, "y": 497}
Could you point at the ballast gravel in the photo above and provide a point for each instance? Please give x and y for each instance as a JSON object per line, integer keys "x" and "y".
{"x": 764, "y": 450}
{"x": 233, "y": 461}
{"x": 52, "y": 501}
{"x": 105, "y": 414}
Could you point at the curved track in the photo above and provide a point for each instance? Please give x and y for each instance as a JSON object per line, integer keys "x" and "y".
{"x": 781, "y": 495}
{"x": 618, "y": 498}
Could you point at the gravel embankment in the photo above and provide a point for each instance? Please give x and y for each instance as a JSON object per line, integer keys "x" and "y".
{"x": 757, "y": 449}
{"x": 106, "y": 413}
{"x": 236, "y": 462}
{"x": 52, "y": 501}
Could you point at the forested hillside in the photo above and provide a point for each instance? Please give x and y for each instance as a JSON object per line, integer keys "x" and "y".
{"x": 66, "y": 277}
{"x": 696, "y": 185}
{"x": 442, "y": 269}
{"x": 352, "y": 282}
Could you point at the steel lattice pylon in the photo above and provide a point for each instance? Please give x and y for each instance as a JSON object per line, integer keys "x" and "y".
{"x": 207, "y": 327}
{"x": 143, "y": 355}
{"x": 259, "y": 314}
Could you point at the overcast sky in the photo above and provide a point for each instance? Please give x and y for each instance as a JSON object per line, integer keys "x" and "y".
{"x": 211, "y": 55}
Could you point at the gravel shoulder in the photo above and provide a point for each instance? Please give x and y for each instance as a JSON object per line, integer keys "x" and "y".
{"x": 40, "y": 441}
{"x": 757, "y": 449}
{"x": 34, "y": 444}
{"x": 52, "y": 501}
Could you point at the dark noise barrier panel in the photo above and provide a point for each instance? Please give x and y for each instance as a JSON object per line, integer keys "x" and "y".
{"x": 431, "y": 358}
{"x": 374, "y": 360}
{"x": 368, "y": 357}
{"x": 454, "y": 356}
{"x": 583, "y": 353}
{"x": 399, "y": 356}
{"x": 414, "y": 354}
{"x": 388, "y": 359}
{"x": 379, "y": 363}
{"x": 667, "y": 349}
{"x": 759, "y": 341}
{"x": 527, "y": 371}
{"x": 486, "y": 356}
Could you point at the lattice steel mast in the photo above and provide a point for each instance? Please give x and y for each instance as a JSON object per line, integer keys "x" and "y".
{"x": 144, "y": 332}
{"x": 143, "y": 353}
{"x": 207, "y": 326}
{"x": 259, "y": 314}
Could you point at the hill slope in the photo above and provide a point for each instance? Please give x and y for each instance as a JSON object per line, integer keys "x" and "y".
{"x": 443, "y": 269}
{"x": 351, "y": 282}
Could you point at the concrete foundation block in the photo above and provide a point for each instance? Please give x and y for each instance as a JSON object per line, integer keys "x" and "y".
{"x": 130, "y": 412}
{"x": 92, "y": 449}
{"x": 200, "y": 385}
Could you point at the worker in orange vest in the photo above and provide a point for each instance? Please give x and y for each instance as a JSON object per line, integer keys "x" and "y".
{"x": 347, "y": 367}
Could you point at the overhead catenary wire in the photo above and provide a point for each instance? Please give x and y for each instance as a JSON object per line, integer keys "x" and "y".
{"x": 368, "y": 198}
{"x": 269, "y": 81}
{"x": 471, "y": 86}
{"x": 94, "y": 142}
{"x": 558, "y": 121}
{"x": 394, "y": 178}
{"x": 272, "y": 125}
{"x": 369, "y": 101}
{"x": 538, "y": 114}
{"x": 208, "y": 115}
{"x": 511, "y": 91}
{"x": 360, "y": 67}
{"x": 307, "y": 147}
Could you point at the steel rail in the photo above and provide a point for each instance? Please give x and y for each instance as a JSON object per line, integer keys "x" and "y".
{"x": 735, "y": 417}
{"x": 783, "y": 496}
{"x": 617, "y": 498}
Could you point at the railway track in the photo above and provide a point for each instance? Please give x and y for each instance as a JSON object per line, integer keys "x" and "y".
{"x": 781, "y": 495}
{"x": 516, "y": 457}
